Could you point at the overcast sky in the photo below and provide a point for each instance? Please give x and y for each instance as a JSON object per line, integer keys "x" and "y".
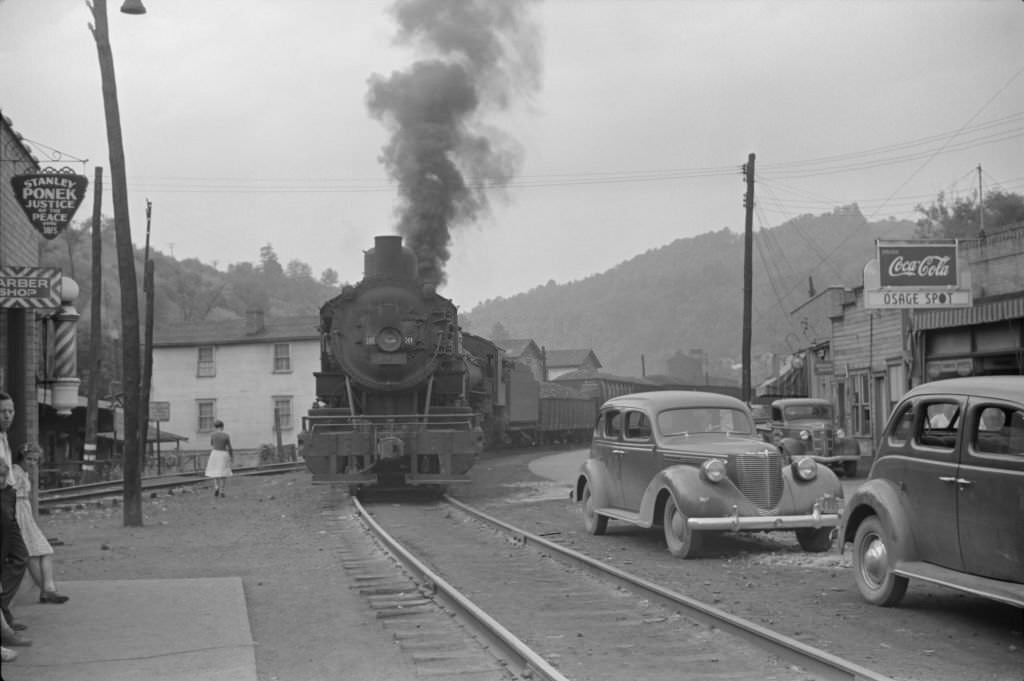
{"x": 246, "y": 122}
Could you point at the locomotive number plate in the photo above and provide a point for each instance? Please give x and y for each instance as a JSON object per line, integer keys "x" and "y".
{"x": 388, "y": 358}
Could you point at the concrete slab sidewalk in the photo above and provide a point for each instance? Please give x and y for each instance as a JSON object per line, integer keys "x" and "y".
{"x": 127, "y": 630}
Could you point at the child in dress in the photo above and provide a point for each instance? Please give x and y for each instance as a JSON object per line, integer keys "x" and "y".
{"x": 40, "y": 553}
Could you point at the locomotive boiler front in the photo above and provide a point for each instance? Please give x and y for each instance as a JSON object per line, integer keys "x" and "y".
{"x": 392, "y": 390}
{"x": 390, "y": 334}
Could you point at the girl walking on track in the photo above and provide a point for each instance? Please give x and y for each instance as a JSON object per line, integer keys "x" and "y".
{"x": 218, "y": 466}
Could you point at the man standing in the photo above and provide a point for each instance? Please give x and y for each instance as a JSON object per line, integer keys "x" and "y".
{"x": 14, "y": 556}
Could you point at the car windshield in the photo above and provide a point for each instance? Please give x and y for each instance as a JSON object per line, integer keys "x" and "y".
{"x": 795, "y": 412}
{"x": 761, "y": 411}
{"x": 704, "y": 420}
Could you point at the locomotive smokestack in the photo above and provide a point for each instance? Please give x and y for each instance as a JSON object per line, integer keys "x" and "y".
{"x": 387, "y": 259}
{"x": 442, "y": 157}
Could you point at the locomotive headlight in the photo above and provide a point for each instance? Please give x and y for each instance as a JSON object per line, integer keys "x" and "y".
{"x": 713, "y": 470}
{"x": 805, "y": 468}
{"x": 389, "y": 339}
{"x": 805, "y": 435}
{"x": 840, "y": 433}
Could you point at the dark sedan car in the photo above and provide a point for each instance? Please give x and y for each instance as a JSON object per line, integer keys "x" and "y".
{"x": 692, "y": 462}
{"x": 944, "y": 501}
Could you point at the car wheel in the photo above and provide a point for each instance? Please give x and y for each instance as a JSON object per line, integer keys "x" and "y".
{"x": 815, "y": 539}
{"x": 872, "y": 565}
{"x": 682, "y": 542}
{"x": 849, "y": 469}
{"x": 594, "y": 522}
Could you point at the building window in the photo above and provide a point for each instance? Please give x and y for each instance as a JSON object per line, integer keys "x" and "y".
{"x": 205, "y": 366}
{"x": 282, "y": 413}
{"x": 282, "y": 358}
{"x": 860, "y": 402}
{"x": 897, "y": 385}
{"x": 207, "y": 410}
{"x": 840, "y": 394}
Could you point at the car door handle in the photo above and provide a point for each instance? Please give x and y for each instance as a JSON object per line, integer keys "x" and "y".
{"x": 960, "y": 481}
{"x": 618, "y": 451}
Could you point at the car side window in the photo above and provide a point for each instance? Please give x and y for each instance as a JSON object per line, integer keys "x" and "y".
{"x": 902, "y": 427}
{"x": 999, "y": 430}
{"x": 940, "y": 424}
{"x": 613, "y": 424}
{"x": 776, "y": 414}
{"x": 638, "y": 427}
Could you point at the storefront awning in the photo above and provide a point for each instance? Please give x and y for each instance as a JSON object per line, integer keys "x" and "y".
{"x": 980, "y": 313}
{"x": 165, "y": 436}
{"x": 790, "y": 383}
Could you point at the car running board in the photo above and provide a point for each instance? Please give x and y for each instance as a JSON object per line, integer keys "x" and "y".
{"x": 995, "y": 589}
{"x": 626, "y": 516}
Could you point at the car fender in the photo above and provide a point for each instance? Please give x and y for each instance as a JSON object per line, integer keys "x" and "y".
{"x": 694, "y": 496}
{"x": 800, "y": 495}
{"x": 881, "y": 498}
{"x": 595, "y": 473}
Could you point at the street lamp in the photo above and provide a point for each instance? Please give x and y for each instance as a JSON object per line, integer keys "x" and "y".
{"x": 133, "y": 7}
{"x": 130, "y": 351}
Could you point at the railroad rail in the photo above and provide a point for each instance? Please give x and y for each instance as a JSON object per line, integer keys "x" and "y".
{"x": 49, "y": 498}
{"x": 821, "y": 663}
{"x": 510, "y": 647}
{"x": 789, "y": 655}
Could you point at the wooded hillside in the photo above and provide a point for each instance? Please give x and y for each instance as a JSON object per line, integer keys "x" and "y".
{"x": 685, "y": 295}
{"x": 689, "y": 294}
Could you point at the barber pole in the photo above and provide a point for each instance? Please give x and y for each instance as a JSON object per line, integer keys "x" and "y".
{"x": 65, "y": 365}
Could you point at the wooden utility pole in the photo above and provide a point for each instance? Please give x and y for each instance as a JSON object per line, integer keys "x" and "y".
{"x": 130, "y": 350}
{"x": 981, "y": 207}
{"x": 147, "y": 345}
{"x": 95, "y": 332}
{"x": 748, "y": 272}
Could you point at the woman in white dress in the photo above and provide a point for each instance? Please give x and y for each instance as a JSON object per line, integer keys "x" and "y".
{"x": 218, "y": 466}
{"x": 40, "y": 553}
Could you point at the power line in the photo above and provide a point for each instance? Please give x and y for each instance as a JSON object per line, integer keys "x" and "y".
{"x": 977, "y": 113}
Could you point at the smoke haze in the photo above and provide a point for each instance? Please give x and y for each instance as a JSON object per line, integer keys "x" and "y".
{"x": 479, "y": 56}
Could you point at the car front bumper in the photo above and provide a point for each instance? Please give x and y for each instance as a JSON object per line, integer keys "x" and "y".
{"x": 833, "y": 460}
{"x": 816, "y": 518}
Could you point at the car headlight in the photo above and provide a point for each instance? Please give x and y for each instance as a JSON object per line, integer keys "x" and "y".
{"x": 713, "y": 470}
{"x": 389, "y": 339}
{"x": 840, "y": 433}
{"x": 805, "y": 468}
{"x": 805, "y": 435}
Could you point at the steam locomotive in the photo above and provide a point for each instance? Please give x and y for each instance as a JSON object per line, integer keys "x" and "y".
{"x": 395, "y": 386}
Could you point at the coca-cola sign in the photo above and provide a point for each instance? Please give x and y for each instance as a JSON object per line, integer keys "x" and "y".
{"x": 919, "y": 264}
{"x": 50, "y": 198}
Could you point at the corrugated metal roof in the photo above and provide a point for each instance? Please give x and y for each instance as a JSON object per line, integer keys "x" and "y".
{"x": 515, "y": 347}
{"x": 233, "y": 332}
{"x": 591, "y": 375}
{"x": 570, "y": 358}
{"x": 982, "y": 312}
{"x": 165, "y": 436}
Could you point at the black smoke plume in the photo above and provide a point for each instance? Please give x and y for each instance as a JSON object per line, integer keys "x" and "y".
{"x": 480, "y": 55}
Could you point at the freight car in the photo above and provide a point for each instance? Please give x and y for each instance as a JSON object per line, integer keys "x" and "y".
{"x": 518, "y": 410}
{"x": 393, "y": 393}
{"x": 546, "y": 413}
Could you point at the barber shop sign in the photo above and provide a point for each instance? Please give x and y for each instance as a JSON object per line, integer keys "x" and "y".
{"x": 50, "y": 198}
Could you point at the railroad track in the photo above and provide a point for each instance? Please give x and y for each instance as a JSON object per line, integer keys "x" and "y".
{"x": 576, "y": 617}
{"x": 50, "y": 498}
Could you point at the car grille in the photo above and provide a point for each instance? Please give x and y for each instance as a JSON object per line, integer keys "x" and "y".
{"x": 759, "y": 476}
{"x": 824, "y": 442}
